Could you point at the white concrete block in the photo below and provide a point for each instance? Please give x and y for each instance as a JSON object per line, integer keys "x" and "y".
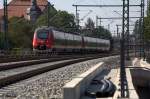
{"x": 75, "y": 88}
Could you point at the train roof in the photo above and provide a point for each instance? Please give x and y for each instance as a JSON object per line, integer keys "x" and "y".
{"x": 56, "y": 29}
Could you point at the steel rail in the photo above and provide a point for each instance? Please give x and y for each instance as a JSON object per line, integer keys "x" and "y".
{"x": 25, "y": 74}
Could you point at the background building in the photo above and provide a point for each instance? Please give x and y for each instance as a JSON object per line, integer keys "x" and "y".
{"x": 29, "y": 9}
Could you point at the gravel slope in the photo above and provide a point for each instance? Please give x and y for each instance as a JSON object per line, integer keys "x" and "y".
{"x": 49, "y": 85}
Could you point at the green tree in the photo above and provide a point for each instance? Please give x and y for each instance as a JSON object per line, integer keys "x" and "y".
{"x": 147, "y": 28}
{"x": 1, "y": 40}
{"x": 97, "y": 33}
{"x": 147, "y": 25}
{"x": 58, "y": 19}
{"x": 91, "y": 31}
{"x": 136, "y": 27}
{"x": 43, "y": 19}
{"x": 90, "y": 24}
{"x": 20, "y": 33}
{"x": 101, "y": 32}
{"x": 65, "y": 21}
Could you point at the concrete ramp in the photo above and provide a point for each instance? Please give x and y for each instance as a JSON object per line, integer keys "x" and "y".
{"x": 75, "y": 88}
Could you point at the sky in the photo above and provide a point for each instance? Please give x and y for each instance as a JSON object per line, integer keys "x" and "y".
{"x": 99, "y": 11}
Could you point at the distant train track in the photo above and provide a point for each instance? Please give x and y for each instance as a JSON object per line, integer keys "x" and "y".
{"x": 11, "y": 56}
{"x": 14, "y": 56}
{"x": 17, "y": 64}
{"x": 11, "y": 73}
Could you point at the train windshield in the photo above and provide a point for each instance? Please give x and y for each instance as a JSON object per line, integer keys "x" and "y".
{"x": 42, "y": 34}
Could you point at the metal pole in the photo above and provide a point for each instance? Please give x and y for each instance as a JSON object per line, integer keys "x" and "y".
{"x": 139, "y": 38}
{"x": 5, "y": 25}
{"x": 100, "y": 25}
{"x": 108, "y": 26}
{"x": 122, "y": 54}
{"x": 77, "y": 18}
{"x": 135, "y": 46}
{"x": 118, "y": 31}
{"x": 141, "y": 30}
{"x": 48, "y": 17}
{"x": 148, "y": 7}
{"x": 100, "y": 21}
{"x": 96, "y": 21}
{"x": 143, "y": 43}
{"x": 122, "y": 57}
{"x": 4, "y": 18}
{"x": 142, "y": 52}
{"x": 128, "y": 38}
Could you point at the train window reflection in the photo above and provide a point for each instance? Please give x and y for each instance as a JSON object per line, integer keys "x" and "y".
{"x": 42, "y": 35}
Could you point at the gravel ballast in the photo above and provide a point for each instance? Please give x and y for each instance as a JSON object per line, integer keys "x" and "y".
{"x": 49, "y": 85}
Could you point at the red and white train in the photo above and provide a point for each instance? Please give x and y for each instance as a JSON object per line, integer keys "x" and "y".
{"x": 50, "y": 39}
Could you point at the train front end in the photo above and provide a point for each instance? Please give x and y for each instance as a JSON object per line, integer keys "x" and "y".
{"x": 42, "y": 40}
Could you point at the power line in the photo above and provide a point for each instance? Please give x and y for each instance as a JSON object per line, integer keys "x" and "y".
{"x": 104, "y": 5}
{"x": 117, "y": 18}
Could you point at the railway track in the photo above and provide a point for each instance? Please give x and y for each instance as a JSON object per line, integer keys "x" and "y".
{"x": 16, "y": 58}
{"x": 30, "y": 55}
{"x": 50, "y": 84}
{"x": 17, "y": 71}
{"x": 11, "y": 65}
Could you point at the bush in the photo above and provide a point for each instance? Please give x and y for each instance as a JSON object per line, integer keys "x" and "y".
{"x": 20, "y": 33}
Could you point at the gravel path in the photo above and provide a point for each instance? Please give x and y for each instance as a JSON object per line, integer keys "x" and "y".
{"x": 49, "y": 85}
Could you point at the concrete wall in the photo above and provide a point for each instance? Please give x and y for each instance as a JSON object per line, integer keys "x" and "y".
{"x": 75, "y": 88}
